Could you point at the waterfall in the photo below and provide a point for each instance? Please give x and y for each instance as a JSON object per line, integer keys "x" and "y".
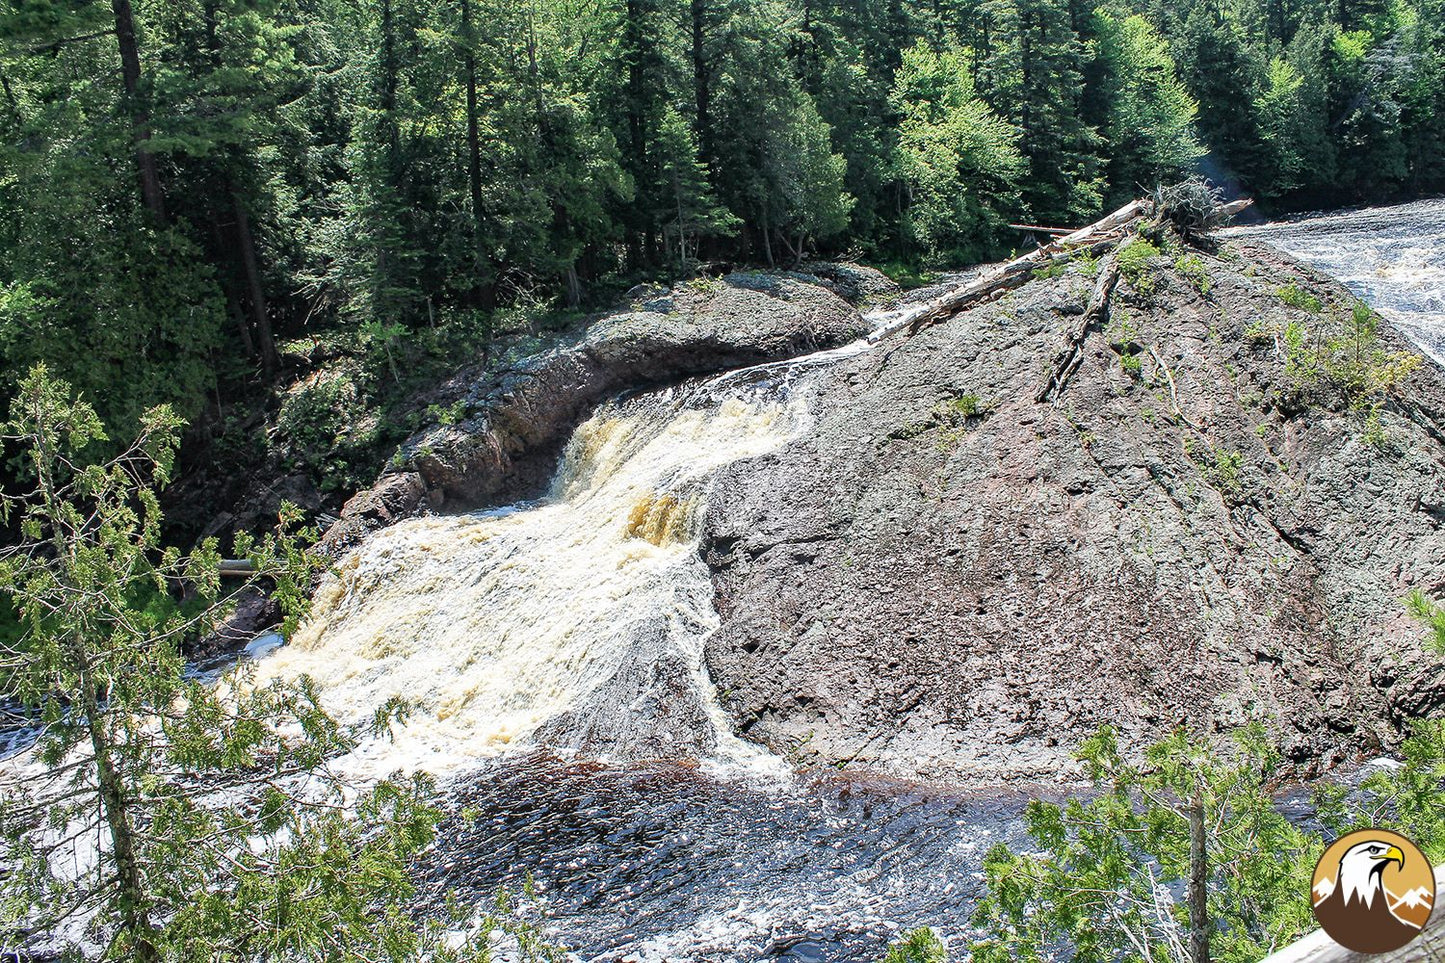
{"x": 576, "y": 621}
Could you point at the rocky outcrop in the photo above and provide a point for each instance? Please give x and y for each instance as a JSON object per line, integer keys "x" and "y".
{"x": 513, "y": 423}
{"x": 1203, "y": 527}
{"x": 392, "y": 498}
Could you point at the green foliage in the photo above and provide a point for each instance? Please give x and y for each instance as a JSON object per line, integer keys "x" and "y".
{"x": 330, "y": 424}
{"x": 1295, "y": 297}
{"x": 448, "y": 414}
{"x": 954, "y": 416}
{"x": 1052, "y": 270}
{"x": 1033, "y": 72}
{"x": 1432, "y": 615}
{"x": 917, "y": 946}
{"x": 907, "y": 276}
{"x": 695, "y": 215}
{"x": 1192, "y": 268}
{"x": 376, "y": 169}
{"x": 220, "y": 831}
{"x": 959, "y": 161}
{"x": 1106, "y": 879}
{"x": 1151, "y": 114}
{"x": 1351, "y": 362}
{"x": 803, "y": 172}
{"x": 1363, "y": 370}
{"x": 384, "y": 338}
{"x": 1302, "y": 360}
{"x": 1133, "y": 260}
{"x": 1408, "y": 797}
{"x": 1222, "y": 468}
{"x": 966, "y": 406}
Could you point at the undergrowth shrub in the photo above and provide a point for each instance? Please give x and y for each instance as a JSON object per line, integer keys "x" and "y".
{"x": 1133, "y": 261}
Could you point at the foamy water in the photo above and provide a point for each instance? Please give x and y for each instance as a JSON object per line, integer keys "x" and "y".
{"x": 1391, "y": 257}
{"x": 576, "y": 621}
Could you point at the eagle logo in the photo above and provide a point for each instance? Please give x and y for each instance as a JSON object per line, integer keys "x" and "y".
{"x": 1373, "y": 891}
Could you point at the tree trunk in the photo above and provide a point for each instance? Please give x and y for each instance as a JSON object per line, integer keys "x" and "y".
{"x": 260, "y": 317}
{"x": 10, "y": 99}
{"x": 1199, "y": 922}
{"x": 702, "y": 80}
{"x": 635, "y": 43}
{"x": 233, "y": 304}
{"x": 574, "y": 287}
{"x": 389, "y": 84}
{"x": 145, "y": 161}
{"x": 115, "y": 811}
{"x": 1096, "y": 313}
{"x": 474, "y": 143}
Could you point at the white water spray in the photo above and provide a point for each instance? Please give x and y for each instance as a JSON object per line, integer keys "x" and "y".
{"x": 1391, "y": 257}
{"x": 576, "y": 621}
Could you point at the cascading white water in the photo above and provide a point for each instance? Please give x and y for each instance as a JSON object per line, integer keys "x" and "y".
{"x": 576, "y": 621}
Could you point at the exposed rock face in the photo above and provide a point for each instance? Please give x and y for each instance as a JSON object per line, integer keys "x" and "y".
{"x": 947, "y": 577}
{"x": 255, "y": 612}
{"x": 391, "y": 499}
{"x": 517, "y": 420}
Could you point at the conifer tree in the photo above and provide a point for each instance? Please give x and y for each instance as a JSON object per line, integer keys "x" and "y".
{"x": 175, "y": 818}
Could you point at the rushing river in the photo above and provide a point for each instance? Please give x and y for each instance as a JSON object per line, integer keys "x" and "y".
{"x": 552, "y": 653}
{"x": 1391, "y": 257}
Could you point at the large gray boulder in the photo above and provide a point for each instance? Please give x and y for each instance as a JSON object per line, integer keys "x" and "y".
{"x": 949, "y": 578}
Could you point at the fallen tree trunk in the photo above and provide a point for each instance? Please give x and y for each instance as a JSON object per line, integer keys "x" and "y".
{"x": 1013, "y": 273}
{"x": 1073, "y": 350}
{"x": 1093, "y": 238}
{"x": 1226, "y": 211}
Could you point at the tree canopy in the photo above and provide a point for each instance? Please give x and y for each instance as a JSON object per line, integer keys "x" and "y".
{"x": 190, "y": 184}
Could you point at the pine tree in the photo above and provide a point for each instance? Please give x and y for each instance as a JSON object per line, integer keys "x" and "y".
{"x": 1035, "y": 69}
{"x": 177, "y": 819}
{"x": 699, "y": 216}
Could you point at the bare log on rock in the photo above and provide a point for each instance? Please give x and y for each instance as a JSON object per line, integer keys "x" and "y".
{"x": 1226, "y": 211}
{"x": 1121, "y": 217}
{"x": 1073, "y": 351}
{"x": 989, "y": 285}
{"x": 1040, "y": 229}
{"x": 1013, "y": 273}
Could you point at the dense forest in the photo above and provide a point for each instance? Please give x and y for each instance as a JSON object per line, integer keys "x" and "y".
{"x": 189, "y": 184}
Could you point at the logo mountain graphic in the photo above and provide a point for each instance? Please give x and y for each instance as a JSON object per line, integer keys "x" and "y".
{"x": 1412, "y": 908}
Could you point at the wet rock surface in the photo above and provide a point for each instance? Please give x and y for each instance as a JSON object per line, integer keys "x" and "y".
{"x": 516, "y": 421}
{"x": 949, "y": 578}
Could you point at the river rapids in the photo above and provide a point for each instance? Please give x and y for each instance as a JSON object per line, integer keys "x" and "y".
{"x": 552, "y": 653}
